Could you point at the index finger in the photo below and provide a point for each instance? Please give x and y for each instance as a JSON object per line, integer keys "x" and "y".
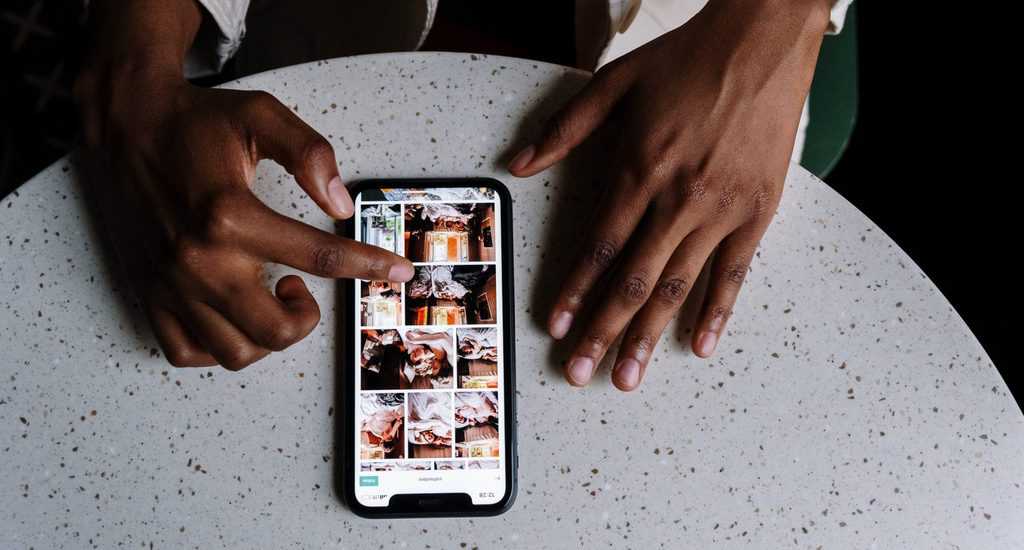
{"x": 278, "y": 238}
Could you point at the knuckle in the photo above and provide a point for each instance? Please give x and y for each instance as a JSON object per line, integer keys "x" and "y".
{"x": 238, "y": 357}
{"x": 645, "y": 177}
{"x": 597, "y": 340}
{"x": 635, "y": 289}
{"x": 695, "y": 189}
{"x": 188, "y": 255}
{"x": 642, "y": 343}
{"x": 220, "y": 219}
{"x": 316, "y": 150}
{"x": 657, "y": 156}
{"x": 672, "y": 291}
{"x": 735, "y": 273}
{"x": 574, "y": 293}
{"x": 764, "y": 197}
{"x": 726, "y": 200}
{"x": 601, "y": 254}
{"x": 281, "y": 335}
{"x": 556, "y": 130}
{"x": 327, "y": 260}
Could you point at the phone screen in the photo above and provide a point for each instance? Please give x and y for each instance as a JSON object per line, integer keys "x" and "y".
{"x": 430, "y": 383}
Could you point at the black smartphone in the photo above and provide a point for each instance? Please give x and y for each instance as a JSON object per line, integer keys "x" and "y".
{"x": 429, "y": 369}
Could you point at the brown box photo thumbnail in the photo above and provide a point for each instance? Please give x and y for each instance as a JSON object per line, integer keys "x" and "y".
{"x": 449, "y": 233}
{"x": 452, "y": 295}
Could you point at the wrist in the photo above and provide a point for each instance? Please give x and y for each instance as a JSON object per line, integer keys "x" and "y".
{"x": 141, "y": 38}
{"x": 817, "y": 14}
{"x": 808, "y": 18}
{"x": 137, "y": 49}
{"x": 752, "y": 42}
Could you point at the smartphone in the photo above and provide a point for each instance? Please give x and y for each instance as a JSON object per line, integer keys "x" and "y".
{"x": 429, "y": 375}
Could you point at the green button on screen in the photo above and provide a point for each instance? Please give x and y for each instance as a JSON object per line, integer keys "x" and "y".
{"x": 367, "y": 481}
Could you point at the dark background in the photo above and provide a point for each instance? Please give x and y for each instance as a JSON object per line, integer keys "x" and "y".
{"x": 929, "y": 160}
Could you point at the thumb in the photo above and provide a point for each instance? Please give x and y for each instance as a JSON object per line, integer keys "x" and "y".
{"x": 279, "y": 134}
{"x": 569, "y": 127}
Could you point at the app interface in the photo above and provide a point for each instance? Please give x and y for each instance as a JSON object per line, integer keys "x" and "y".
{"x": 428, "y": 355}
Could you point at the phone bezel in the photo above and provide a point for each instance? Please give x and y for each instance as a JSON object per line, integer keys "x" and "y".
{"x": 441, "y": 504}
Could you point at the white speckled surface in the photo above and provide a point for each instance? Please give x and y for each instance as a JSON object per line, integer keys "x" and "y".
{"x": 849, "y": 407}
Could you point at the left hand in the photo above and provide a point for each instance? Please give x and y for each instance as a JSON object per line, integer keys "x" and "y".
{"x": 707, "y": 116}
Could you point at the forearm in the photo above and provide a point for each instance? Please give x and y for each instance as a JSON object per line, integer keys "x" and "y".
{"x": 142, "y": 35}
{"x": 801, "y": 16}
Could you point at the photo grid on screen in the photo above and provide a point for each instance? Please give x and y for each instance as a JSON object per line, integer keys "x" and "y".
{"x": 429, "y": 369}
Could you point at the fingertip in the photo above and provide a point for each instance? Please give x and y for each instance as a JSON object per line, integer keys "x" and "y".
{"x": 560, "y": 324}
{"x": 704, "y": 344}
{"x": 522, "y": 159}
{"x": 341, "y": 201}
{"x": 579, "y": 371}
{"x": 401, "y": 272}
{"x": 626, "y": 374}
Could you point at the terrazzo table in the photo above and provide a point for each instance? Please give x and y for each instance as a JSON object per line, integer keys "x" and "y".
{"x": 849, "y": 406}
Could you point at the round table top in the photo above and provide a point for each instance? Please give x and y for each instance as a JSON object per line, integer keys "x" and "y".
{"x": 848, "y": 407}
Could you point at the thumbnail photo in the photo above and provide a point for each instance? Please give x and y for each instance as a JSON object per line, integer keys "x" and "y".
{"x": 449, "y": 233}
{"x": 407, "y": 359}
{"x": 414, "y": 465}
{"x": 380, "y": 226}
{"x": 476, "y": 424}
{"x": 478, "y": 358}
{"x": 464, "y": 194}
{"x": 395, "y": 465}
{"x": 377, "y": 466}
{"x": 452, "y": 295}
{"x": 449, "y": 465}
{"x": 482, "y": 464}
{"x": 380, "y": 303}
{"x": 381, "y": 434}
{"x": 430, "y": 425}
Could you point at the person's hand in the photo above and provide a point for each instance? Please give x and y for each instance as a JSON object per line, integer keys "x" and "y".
{"x": 706, "y": 118}
{"x": 177, "y": 161}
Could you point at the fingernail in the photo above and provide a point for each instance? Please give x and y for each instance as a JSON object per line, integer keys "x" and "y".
{"x": 522, "y": 159}
{"x": 400, "y": 272}
{"x": 338, "y": 195}
{"x": 560, "y": 325}
{"x": 627, "y": 372}
{"x": 580, "y": 370}
{"x": 706, "y": 344}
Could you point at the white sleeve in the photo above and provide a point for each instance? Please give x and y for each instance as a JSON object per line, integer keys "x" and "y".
{"x": 839, "y": 7}
{"x": 208, "y": 56}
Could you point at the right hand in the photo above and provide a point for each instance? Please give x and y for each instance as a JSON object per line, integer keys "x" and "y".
{"x": 177, "y": 161}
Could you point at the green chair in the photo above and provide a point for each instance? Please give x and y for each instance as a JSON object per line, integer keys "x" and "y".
{"x": 833, "y": 100}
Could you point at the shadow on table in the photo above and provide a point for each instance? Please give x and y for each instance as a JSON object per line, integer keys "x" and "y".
{"x": 87, "y": 177}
